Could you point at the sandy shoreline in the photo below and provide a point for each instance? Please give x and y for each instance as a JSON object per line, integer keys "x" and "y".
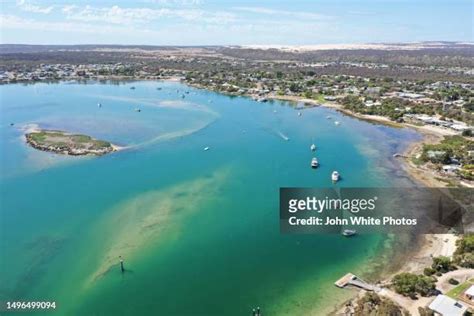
{"x": 35, "y": 128}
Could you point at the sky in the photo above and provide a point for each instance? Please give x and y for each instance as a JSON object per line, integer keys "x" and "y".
{"x": 234, "y": 22}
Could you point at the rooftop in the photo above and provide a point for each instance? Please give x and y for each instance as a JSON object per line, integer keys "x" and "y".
{"x": 447, "y": 306}
{"x": 470, "y": 291}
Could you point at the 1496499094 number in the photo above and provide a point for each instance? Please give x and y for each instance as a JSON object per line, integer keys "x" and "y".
{"x": 30, "y": 305}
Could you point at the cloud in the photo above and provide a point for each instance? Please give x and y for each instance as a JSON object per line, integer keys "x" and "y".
{"x": 119, "y": 15}
{"x": 175, "y": 2}
{"x": 19, "y": 23}
{"x": 284, "y": 13}
{"x": 28, "y": 7}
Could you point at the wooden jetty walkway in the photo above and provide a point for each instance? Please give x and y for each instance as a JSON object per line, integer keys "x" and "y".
{"x": 352, "y": 279}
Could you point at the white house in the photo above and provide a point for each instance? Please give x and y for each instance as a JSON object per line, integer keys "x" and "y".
{"x": 470, "y": 293}
{"x": 445, "y": 306}
{"x": 451, "y": 168}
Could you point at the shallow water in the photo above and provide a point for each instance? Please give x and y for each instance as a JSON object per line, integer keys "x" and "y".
{"x": 198, "y": 229}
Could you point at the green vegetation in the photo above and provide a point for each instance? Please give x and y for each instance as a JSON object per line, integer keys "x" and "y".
{"x": 373, "y": 305}
{"x": 464, "y": 254}
{"x": 453, "y": 281}
{"x": 467, "y": 172}
{"x": 442, "y": 264}
{"x": 392, "y": 107}
{"x": 409, "y": 284}
{"x": 65, "y": 143}
{"x": 428, "y": 271}
{"x": 455, "y": 292}
{"x": 451, "y": 147}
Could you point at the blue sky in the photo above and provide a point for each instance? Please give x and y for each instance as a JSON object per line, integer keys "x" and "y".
{"x": 211, "y": 22}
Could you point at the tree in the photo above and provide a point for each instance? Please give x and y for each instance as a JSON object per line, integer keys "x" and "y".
{"x": 428, "y": 271}
{"x": 464, "y": 254}
{"x": 442, "y": 264}
{"x": 294, "y": 87}
{"x": 409, "y": 284}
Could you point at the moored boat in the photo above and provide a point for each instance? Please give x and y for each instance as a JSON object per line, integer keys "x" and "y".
{"x": 349, "y": 232}
{"x": 313, "y": 147}
{"x": 314, "y": 163}
{"x": 335, "y": 176}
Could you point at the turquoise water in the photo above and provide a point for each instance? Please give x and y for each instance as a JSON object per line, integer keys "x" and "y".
{"x": 198, "y": 229}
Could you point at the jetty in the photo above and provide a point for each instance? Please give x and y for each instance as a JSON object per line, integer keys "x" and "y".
{"x": 352, "y": 279}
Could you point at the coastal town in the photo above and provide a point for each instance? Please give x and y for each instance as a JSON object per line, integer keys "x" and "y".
{"x": 229, "y": 158}
{"x": 435, "y": 100}
{"x": 393, "y": 94}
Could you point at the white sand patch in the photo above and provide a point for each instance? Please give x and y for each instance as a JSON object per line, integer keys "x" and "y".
{"x": 144, "y": 219}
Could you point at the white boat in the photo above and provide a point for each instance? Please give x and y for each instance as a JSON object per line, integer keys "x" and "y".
{"x": 262, "y": 100}
{"x": 99, "y": 105}
{"x": 206, "y": 148}
{"x": 349, "y": 232}
{"x": 137, "y": 110}
{"x": 314, "y": 163}
{"x": 313, "y": 147}
{"x": 328, "y": 117}
{"x": 335, "y": 176}
{"x": 299, "y": 113}
{"x": 337, "y": 122}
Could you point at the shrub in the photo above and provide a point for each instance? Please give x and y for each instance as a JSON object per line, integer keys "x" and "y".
{"x": 453, "y": 281}
{"x": 410, "y": 284}
{"x": 442, "y": 264}
{"x": 428, "y": 271}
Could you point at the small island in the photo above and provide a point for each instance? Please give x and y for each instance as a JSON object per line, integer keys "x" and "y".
{"x": 68, "y": 144}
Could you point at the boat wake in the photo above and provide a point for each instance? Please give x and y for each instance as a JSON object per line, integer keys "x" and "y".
{"x": 283, "y": 136}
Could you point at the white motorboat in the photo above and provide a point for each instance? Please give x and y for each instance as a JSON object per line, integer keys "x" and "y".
{"x": 99, "y": 105}
{"x": 299, "y": 113}
{"x": 349, "y": 232}
{"x": 313, "y": 147}
{"x": 137, "y": 110}
{"x": 314, "y": 163}
{"x": 335, "y": 176}
{"x": 337, "y": 122}
{"x": 206, "y": 148}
